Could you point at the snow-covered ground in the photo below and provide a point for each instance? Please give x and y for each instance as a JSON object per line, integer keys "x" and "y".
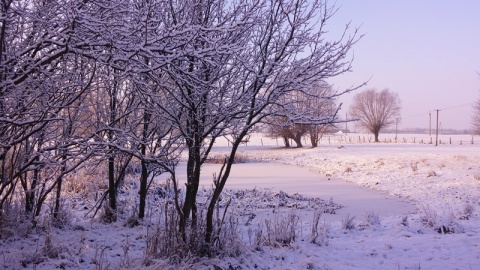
{"x": 414, "y": 206}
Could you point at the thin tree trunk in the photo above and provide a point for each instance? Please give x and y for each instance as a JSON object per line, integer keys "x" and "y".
{"x": 286, "y": 142}
{"x": 144, "y": 175}
{"x": 59, "y": 186}
{"x": 112, "y": 191}
{"x": 111, "y": 184}
{"x": 222, "y": 179}
{"x": 143, "y": 189}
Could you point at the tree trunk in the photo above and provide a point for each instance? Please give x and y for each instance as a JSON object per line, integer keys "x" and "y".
{"x": 222, "y": 179}
{"x": 59, "y": 186}
{"x": 30, "y": 196}
{"x": 314, "y": 138}
{"x": 193, "y": 180}
{"x": 30, "y": 192}
{"x": 143, "y": 189}
{"x": 286, "y": 141}
{"x": 376, "y": 136}
{"x": 298, "y": 141}
{"x": 112, "y": 192}
{"x": 144, "y": 175}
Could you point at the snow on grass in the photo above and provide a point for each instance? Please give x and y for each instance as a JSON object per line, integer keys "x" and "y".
{"x": 440, "y": 232}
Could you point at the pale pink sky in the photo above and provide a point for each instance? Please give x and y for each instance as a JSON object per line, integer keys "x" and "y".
{"x": 427, "y": 51}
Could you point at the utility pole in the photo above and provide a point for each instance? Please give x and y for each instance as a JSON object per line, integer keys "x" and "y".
{"x": 346, "y": 123}
{"x": 396, "y": 129}
{"x": 436, "y": 136}
{"x": 430, "y": 127}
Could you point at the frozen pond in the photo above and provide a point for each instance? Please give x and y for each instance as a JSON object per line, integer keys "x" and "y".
{"x": 356, "y": 200}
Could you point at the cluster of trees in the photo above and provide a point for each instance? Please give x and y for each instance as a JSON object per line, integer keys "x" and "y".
{"x": 371, "y": 109}
{"x": 320, "y": 116}
{"x": 111, "y": 82}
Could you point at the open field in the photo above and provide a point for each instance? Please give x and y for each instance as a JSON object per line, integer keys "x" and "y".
{"x": 432, "y": 222}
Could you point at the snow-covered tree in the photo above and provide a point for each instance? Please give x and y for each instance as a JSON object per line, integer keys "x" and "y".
{"x": 240, "y": 61}
{"x": 375, "y": 110}
{"x": 38, "y": 82}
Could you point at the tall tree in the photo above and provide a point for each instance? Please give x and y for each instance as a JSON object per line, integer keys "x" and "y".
{"x": 239, "y": 63}
{"x": 199, "y": 83}
{"x": 376, "y": 110}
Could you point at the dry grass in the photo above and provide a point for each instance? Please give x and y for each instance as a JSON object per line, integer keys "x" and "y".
{"x": 282, "y": 230}
{"x": 348, "y": 223}
{"x": 14, "y": 221}
{"x": 414, "y": 167}
{"x": 220, "y": 158}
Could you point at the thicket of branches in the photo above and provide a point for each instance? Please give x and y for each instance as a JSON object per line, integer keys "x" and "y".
{"x": 111, "y": 83}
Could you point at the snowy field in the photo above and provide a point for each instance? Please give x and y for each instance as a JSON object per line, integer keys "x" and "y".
{"x": 391, "y": 205}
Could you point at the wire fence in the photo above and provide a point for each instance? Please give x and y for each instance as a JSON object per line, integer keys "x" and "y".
{"x": 445, "y": 139}
{"x": 259, "y": 139}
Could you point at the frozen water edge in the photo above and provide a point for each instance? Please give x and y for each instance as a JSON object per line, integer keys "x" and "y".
{"x": 355, "y": 199}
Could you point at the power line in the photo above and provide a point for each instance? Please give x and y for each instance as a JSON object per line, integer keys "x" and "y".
{"x": 442, "y": 109}
{"x": 457, "y": 106}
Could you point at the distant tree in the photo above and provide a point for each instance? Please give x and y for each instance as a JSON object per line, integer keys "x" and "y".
{"x": 288, "y": 130}
{"x": 476, "y": 118}
{"x": 305, "y": 113}
{"x": 375, "y": 110}
{"x": 322, "y": 108}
